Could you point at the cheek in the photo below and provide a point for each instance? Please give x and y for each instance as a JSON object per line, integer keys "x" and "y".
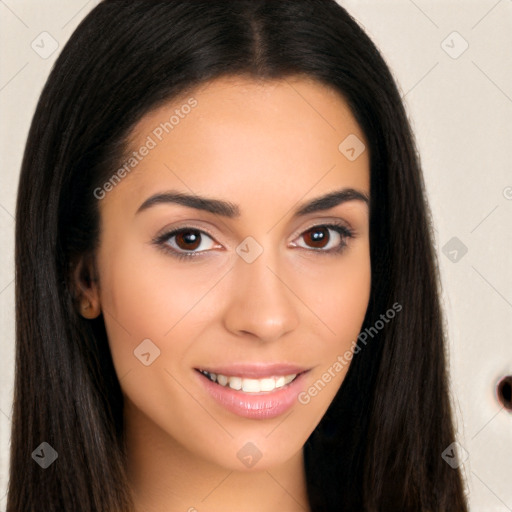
{"x": 354, "y": 295}
{"x": 342, "y": 306}
{"x": 338, "y": 293}
{"x": 147, "y": 293}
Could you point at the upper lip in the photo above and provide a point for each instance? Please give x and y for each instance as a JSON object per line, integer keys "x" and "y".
{"x": 255, "y": 370}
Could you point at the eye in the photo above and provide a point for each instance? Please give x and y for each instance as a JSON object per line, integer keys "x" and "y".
{"x": 326, "y": 238}
{"x": 188, "y": 242}
{"x": 185, "y": 242}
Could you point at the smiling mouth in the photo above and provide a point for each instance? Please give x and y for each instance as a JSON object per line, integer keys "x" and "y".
{"x": 248, "y": 385}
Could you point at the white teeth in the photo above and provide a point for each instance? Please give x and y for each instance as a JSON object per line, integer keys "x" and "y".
{"x": 267, "y": 384}
{"x": 280, "y": 382}
{"x": 288, "y": 379}
{"x": 235, "y": 383}
{"x": 222, "y": 380}
{"x": 251, "y": 385}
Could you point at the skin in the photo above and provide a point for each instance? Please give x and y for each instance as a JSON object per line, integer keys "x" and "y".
{"x": 267, "y": 147}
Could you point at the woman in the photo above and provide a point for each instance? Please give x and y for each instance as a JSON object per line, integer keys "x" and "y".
{"x": 227, "y": 295}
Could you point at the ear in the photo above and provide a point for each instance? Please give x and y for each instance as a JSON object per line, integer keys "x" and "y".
{"x": 86, "y": 287}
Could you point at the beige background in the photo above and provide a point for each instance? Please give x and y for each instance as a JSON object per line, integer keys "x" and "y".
{"x": 460, "y": 104}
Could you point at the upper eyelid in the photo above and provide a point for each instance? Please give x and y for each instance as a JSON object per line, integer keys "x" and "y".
{"x": 336, "y": 222}
{"x": 314, "y": 223}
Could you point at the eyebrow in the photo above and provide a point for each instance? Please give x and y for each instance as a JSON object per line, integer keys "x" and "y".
{"x": 231, "y": 210}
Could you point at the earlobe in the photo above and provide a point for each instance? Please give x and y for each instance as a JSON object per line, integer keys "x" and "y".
{"x": 89, "y": 309}
{"x": 86, "y": 288}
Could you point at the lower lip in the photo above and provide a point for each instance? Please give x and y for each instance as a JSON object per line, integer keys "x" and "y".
{"x": 264, "y": 405}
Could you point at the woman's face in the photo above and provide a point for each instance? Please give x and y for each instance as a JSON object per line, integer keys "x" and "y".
{"x": 217, "y": 256}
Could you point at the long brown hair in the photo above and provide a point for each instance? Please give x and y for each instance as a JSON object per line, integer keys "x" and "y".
{"x": 379, "y": 445}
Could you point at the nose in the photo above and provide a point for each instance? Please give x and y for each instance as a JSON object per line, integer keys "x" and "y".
{"x": 262, "y": 303}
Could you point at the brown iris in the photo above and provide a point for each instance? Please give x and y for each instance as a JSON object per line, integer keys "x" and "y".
{"x": 190, "y": 240}
{"x": 317, "y": 237}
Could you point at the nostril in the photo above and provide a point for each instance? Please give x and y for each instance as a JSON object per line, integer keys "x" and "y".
{"x": 504, "y": 392}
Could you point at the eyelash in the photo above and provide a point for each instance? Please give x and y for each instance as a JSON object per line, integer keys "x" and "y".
{"x": 161, "y": 240}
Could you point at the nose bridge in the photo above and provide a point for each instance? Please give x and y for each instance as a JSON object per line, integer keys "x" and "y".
{"x": 261, "y": 303}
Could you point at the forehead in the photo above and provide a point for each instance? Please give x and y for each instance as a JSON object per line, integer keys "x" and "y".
{"x": 234, "y": 135}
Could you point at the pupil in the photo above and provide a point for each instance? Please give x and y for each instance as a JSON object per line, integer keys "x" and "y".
{"x": 189, "y": 238}
{"x": 319, "y": 237}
